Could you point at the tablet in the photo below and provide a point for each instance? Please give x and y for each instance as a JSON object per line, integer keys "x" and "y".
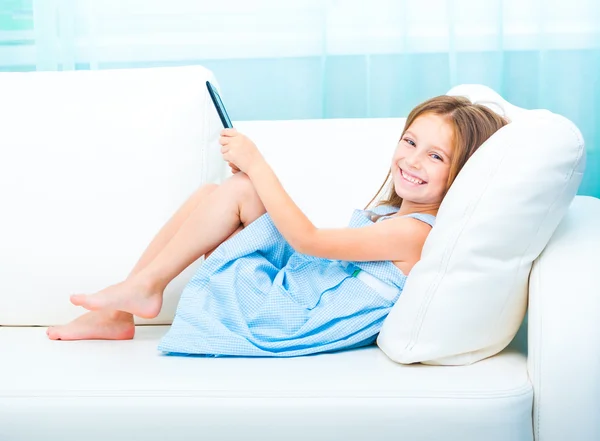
{"x": 216, "y": 99}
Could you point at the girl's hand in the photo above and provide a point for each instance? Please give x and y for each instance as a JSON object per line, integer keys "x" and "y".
{"x": 238, "y": 150}
{"x": 233, "y": 168}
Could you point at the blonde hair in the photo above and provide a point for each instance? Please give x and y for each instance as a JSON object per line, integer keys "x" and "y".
{"x": 472, "y": 124}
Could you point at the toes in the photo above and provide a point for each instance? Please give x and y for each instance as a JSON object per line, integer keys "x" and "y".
{"x": 55, "y": 333}
{"x": 77, "y": 299}
{"x": 82, "y": 300}
{"x": 52, "y": 334}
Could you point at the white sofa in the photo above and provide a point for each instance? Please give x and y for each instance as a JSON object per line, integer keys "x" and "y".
{"x": 94, "y": 163}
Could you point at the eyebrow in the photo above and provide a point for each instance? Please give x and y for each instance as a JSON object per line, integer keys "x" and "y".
{"x": 435, "y": 147}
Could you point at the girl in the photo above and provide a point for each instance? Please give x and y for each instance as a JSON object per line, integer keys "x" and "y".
{"x": 281, "y": 286}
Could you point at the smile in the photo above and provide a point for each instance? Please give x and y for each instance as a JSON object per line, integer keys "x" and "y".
{"x": 411, "y": 179}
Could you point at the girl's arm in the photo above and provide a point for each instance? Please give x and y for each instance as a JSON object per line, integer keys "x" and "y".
{"x": 398, "y": 239}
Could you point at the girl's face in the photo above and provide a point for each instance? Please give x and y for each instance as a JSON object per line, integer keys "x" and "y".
{"x": 421, "y": 162}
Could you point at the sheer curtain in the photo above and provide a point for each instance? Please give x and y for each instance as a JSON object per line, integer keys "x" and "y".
{"x": 288, "y": 59}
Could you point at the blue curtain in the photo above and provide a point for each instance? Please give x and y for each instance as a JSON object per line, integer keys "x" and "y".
{"x": 298, "y": 59}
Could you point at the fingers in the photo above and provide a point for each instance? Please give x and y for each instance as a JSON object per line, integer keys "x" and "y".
{"x": 226, "y": 135}
{"x": 225, "y": 139}
{"x": 233, "y": 167}
{"x": 229, "y": 132}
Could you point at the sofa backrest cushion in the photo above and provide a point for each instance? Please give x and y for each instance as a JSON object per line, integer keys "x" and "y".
{"x": 466, "y": 297}
{"x": 330, "y": 166}
{"x": 93, "y": 164}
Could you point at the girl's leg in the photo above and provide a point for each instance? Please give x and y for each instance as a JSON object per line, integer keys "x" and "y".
{"x": 235, "y": 203}
{"x": 170, "y": 228}
{"x": 118, "y": 324}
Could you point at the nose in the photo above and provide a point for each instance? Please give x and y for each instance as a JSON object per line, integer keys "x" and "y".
{"x": 413, "y": 160}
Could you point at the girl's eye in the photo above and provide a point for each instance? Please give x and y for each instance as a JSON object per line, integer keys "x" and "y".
{"x": 436, "y": 156}
{"x": 410, "y": 141}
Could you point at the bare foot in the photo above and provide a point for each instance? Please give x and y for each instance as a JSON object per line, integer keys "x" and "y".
{"x": 96, "y": 325}
{"x": 133, "y": 296}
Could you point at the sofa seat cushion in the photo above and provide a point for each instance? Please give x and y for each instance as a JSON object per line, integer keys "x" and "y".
{"x": 98, "y": 390}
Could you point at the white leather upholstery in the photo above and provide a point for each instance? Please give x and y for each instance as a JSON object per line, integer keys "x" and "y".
{"x": 98, "y": 391}
{"x": 101, "y": 390}
{"x": 564, "y": 328}
{"x": 93, "y": 164}
{"x": 329, "y": 167}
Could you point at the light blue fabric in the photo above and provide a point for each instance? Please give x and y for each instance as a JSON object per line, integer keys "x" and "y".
{"x": 256, "y": 296}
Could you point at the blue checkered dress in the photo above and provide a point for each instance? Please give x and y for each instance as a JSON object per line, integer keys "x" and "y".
{"x": 256, "y": 296}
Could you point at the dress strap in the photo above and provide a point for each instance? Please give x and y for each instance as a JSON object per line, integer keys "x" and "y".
{"x": 384, "y": 212}
{"x": 427, "y": 218}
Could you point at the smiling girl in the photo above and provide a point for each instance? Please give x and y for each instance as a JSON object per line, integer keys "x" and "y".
{"x": 272, "y": 283}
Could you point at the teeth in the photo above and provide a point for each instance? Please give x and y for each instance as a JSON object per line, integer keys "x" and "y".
{"x": 408, "y": 178}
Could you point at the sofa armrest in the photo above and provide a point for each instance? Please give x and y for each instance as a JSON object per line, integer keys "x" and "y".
{"x": 564, "y": 328}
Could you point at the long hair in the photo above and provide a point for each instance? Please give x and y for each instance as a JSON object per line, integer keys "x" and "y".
{"x": 472, "y": 124}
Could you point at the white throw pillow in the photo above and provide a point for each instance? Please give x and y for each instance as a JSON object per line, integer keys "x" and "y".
{"x": 466, "y": 297}
{"x": 93, "y": 164}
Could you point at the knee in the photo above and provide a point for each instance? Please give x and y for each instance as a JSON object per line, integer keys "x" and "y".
{"x": 210, "y": 187}
{"x": 241, "y": 187}
{"x": 249, "y": 205}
